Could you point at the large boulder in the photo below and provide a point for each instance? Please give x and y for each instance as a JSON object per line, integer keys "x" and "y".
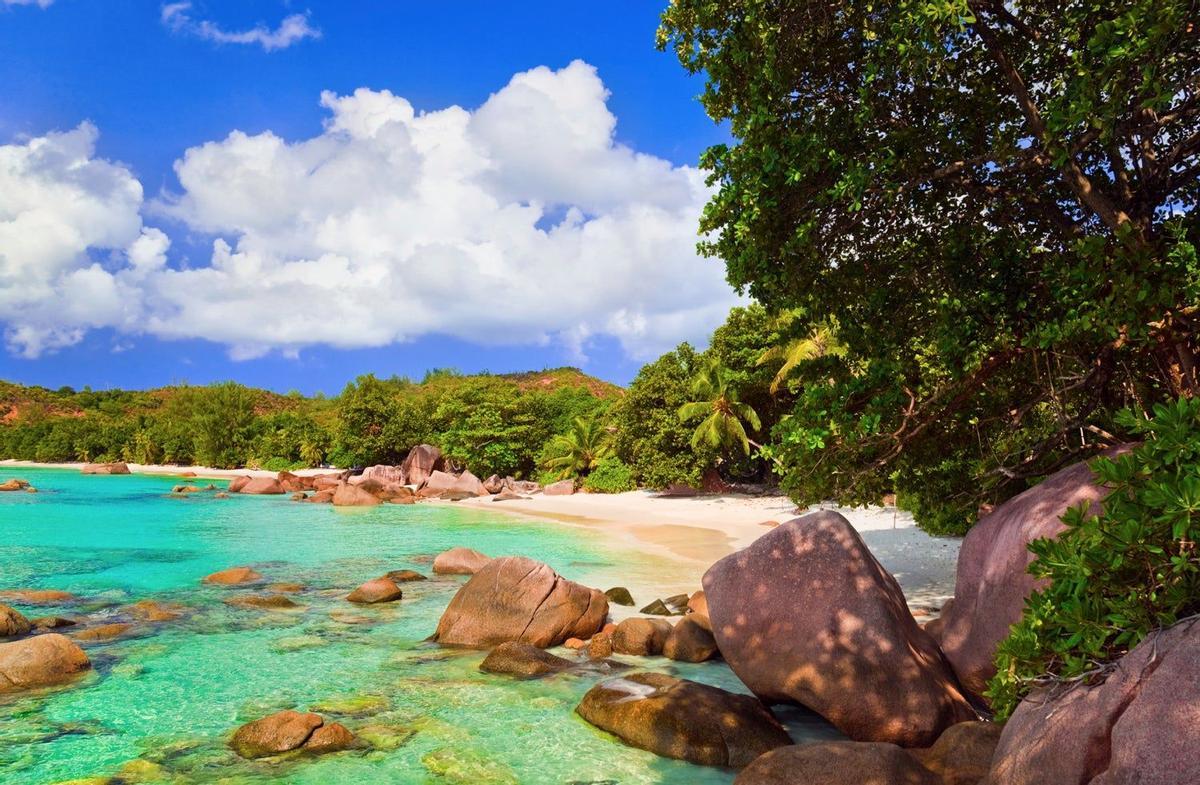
{"x": 294, "y": 483}
{"x": 470, "y": 484}
{"x": 422, "y": 461}
{"x": 326, "y": 482}
{"x": 682, "y": 719}
{"x": 837, "y": 763}
{"x": 388, "y": 475}
{"x": 347, "y": 495}
{"x": 1138, "y": 725}
{"x": 262, "y": 486}
{"x": 39, "y": 662}
{"x": 437, "y": 483}
{"x": 237, "y": 483}
{"x": 12, "y": 622}
{"x": 992, "y": 585}
{"x": 443, "y": 485}
{"x": 494, "y": 484}
{"x": 806, "y": 614}
{"x": 113, "y": 467}
{"x": 560, "y": 488}
{"x": 518, "y": 599}
{"x": 289, "y": 730}
{"x": 459, "y": 561}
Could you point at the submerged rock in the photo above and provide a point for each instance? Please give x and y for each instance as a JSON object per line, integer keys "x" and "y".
{"x": 12, "y": 622}
{"x": 459, "y": 561}
{"x": 280, "y": 732}
{"x": 683, "y": 719}
{"x": 39, "y": 661}
{"x": 38, "y": 596}
{"x": 458, "y": 766}
{"x": 382, "y": 589}
{"x": 837, "y": 763}
{"x": 522, "y": 659}
{"x": 155, "y": 611}
{"x": 103, "y": 632}
{"x": 806, "y": 614}
{"x": 405, "y": 576}
{"x": 15, "y": 485}
{"x": 233, "y": 576}
{"x": 266, "y": 602}
{"x": 515, "y": 598}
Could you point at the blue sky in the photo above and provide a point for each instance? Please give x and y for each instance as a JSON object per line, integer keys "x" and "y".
{"x": 593, "y": 222}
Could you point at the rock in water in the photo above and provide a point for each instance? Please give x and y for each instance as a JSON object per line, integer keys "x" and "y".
{"x": 331, "y": 737}
{"x": 522, "y": 659}
{"x": 405, "y": 576}
{"x": 837, "y": 763}
{"x": 378, "y": 590}
{"x": 260, "y": 486}
{"x": 690, "y": 641}
{"x": 459, "y": 561}
{"x": 39, "y": 661}
{"x": 1138, "y": 725}
{"x": 619, "y": 595}
{"x": 233, "y": 577}
{"x": 422, "y": 461}
{"x": 114, "y": 467}
{"x": 682, "y": 719}
{"x": 12, "y": 622}
{"x": 280, "y": 732}
{"x": 806, "y": 614}
{"x": 992, "y": 585}
{"x": 347, "y": 495}
{"x": 518, "y": 599}
{"x": 640, "y": 637}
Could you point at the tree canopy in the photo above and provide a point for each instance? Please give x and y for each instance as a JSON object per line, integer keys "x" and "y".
{"x": 994, "y": 202}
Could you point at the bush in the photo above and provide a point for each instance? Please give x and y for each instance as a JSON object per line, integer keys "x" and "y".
{"x": 1117, "y": 576}
{"x": 611, "y": 475}
{"x": 278, "y": 464}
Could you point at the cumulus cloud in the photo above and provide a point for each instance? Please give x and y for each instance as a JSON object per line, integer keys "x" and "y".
{"x": 293, "y": 29}
{"x": 519, "y": 222}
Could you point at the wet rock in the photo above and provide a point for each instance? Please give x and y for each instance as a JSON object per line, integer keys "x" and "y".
{"x": 683, "y": 719}
{"x": 285, "y": 588}
{"x": 515, "y": 598}
{"x": 38, "y": 596}
{"x": 386, "y": 737}
{"x": 237, "y": 483}
{"x": 154, "y": 611}
{"x": 575, "y": 644}
{"x": 658, "y": 608}
{"x": 382, "y": 589}
{"x": 348, "y": 495}
{"x": 600, "y": 646}
{"x": 352, "y": 705}
{"x": 422, "y": 461}
{"x": 991, "y": 584}
{"x": 963, "y": 754}
{"x": 265, "y": 602}
{"x": 690, "y": 641}
{"x": 850, "y": 650}
{"x": 641, "y": 637}
{"x": 261, "y": 486}
{"x": 619, "y": 595}
{"x": 103, "y": 632}
{"x": 405, "y": 576}
{"x": 15, "y": 485}
{"x": 459, "y": 766}
{"x": 837, "y": 763}
{"x": 39, "y": 661}
{"x": 12, "y": 622}
{"x": 280, "y": 732}
{"x": 459, "y": 561}
{"x": 298, "y": 643}
{"x": 234, "y": 576}
{"x": 220, "y": 495}
{"x": 113, "y": 467}
{"x": 52, "y": 622}
{"x": 321, "y": 497}
{"x": 560, "y": 488}
{"x": 1137, "y": 725}
{"x": 522, "y": 659}
{"x": 330, "y": 737}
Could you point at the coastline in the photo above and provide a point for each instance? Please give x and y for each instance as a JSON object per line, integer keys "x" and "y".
{"x": 685, "y": 534}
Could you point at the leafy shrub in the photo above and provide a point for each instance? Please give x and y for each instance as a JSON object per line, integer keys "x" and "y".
{"x": 277, "y": 464}
{"x": 611, "y": 475}
{"x": 1117, "y": 576}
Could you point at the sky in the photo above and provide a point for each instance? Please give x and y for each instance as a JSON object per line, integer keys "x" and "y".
{"x": 291, "y": 194}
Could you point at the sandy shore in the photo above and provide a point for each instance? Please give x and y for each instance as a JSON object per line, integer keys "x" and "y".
{"x": 694, "y": 532}
{"x": 206, "y": 472}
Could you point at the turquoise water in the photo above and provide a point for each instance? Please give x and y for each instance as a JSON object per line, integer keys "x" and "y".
{"x": 166, "y": 698}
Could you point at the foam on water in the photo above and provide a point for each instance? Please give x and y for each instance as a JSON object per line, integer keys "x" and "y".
{"x": 171, "y": 694}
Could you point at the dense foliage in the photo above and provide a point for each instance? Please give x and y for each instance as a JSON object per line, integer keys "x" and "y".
{"x": 610, "y": 475}
{"x": 993, "y": 202}
{"x": 1118, "y": 575}
{"x": 493, "y": 424}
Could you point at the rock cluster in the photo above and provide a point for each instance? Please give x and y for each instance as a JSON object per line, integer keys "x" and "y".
{"x": 114, "y": 467}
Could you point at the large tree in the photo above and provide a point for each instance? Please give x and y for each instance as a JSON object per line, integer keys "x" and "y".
{"x": 995, "y": 201}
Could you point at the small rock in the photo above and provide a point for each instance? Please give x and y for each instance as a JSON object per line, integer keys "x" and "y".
{"x": 155, "y": 611}
{"x": 12, "y": 622}
{"x": 299, "y": 496}
{"x": 378, "y": 590}
{"x": 405, "y": 576}
{"x": 275, "y": 734}
{"x": 677, "y": 603}
{"x": 658, "y": 608}
{"x": 104, "y": 632}
{"x": 600, "y": 646}
{"x": 619, "y": 595}
{"x": 52, "y": 622}
{"x": 522, "y": 659}
{"x": 38, "y": 596}
{"x": 233, "y": 576}
{"x": 642, "y": 637}
{"x": 575, "y": 644}
{"x": 690, "y": 641}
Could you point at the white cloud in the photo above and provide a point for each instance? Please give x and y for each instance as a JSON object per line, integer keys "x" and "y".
{"x": 293, "y": 29}
{"x": 38, "y": 3}
{"x": 522, "y": 222}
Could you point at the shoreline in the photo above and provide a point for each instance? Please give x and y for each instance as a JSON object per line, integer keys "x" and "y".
{"x": 685, "y": 535}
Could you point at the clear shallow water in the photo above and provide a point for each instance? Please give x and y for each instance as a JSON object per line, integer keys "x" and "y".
{"x": 168, "y": 697}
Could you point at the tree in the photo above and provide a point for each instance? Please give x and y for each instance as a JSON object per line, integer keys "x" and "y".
{"x": 221, "y": 418}
{"x": 723, "y": 426}
{"x": 819, "y": 341}
{"x": 578, "y": 451}
{"x": 995, "y": 204}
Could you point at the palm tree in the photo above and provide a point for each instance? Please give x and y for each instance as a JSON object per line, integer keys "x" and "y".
{"x": 577, "y": 452}
{"x": 723, "y": 426}
{"x": 821, "y": 341}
